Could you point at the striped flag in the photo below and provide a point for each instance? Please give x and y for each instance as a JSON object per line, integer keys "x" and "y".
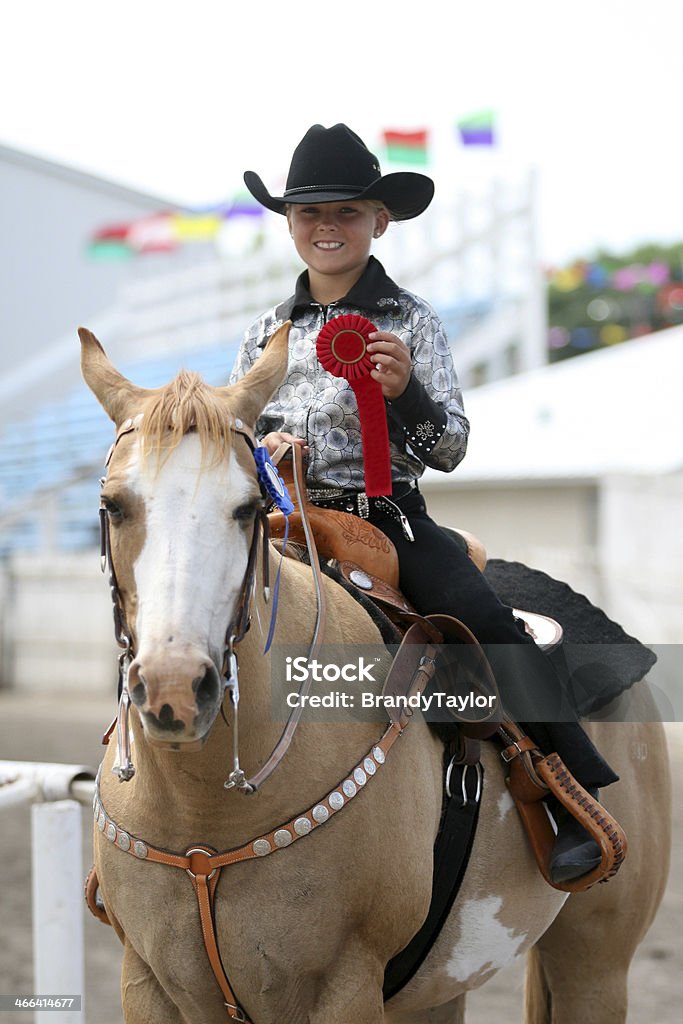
{"x": 478, "y": 129}
{"x": 406, "y": 147}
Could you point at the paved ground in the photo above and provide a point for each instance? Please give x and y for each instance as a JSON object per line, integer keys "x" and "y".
{"x": 69, "y": 731}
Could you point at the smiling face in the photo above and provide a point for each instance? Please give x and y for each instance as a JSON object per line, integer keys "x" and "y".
{"x": 334, "y": 240}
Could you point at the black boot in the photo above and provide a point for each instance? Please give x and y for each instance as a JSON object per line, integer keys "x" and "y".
{"x": 575, "y": 852}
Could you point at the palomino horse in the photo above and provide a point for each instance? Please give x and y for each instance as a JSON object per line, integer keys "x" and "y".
{"x": 305, "y": 932}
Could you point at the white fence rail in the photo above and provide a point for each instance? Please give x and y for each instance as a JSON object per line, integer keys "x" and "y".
{"x": 55, "y": 792}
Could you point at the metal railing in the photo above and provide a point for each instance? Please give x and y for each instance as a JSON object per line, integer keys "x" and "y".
{"x": 55, "y": 793}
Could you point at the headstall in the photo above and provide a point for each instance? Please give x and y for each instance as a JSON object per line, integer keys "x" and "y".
{"x": 273, "y": 491}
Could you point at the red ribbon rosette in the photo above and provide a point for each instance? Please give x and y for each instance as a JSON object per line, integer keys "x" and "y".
{"x": 342, "y": 351}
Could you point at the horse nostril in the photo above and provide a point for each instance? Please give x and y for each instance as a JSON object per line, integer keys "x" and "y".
{"x": 139, "y": 694}
{"x": 166, "y": 717}
{"x": 206, "y": 689}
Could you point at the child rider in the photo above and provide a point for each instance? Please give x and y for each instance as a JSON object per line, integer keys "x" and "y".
{"x": 336, "y": 202}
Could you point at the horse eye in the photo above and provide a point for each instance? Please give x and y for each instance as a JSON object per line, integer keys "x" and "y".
{"x": 244, "y": 513}
{"x": 115, "y": 511}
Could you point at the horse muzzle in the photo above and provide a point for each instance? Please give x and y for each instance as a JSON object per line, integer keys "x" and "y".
{"x": 178, "y": 696}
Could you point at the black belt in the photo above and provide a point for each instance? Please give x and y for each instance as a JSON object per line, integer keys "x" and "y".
{"x": 358, "y": 503}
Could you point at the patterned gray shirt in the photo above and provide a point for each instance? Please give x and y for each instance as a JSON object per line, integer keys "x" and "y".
{"x": 427, "y": 423}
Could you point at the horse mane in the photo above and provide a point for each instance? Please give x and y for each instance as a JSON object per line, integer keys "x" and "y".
{"x": 187, "y": 404}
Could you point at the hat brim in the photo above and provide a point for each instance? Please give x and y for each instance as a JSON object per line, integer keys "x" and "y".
{"x": 405, "y": 194}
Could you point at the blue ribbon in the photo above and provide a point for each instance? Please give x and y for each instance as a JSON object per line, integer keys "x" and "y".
{"x": 271, "y": 481}
{"x": 274, "y": 486}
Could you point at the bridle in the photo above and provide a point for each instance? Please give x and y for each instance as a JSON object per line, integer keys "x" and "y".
{"x": 235, "y": 632}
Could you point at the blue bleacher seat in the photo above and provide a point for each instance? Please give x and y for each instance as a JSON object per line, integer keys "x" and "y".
{"x": 64, "y": 436}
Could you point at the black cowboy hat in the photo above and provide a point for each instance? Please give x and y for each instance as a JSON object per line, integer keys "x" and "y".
{"x": 333, "y": 164}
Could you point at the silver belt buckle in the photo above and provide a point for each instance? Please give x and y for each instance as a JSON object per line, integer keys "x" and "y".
{"x": 363, "y": 505}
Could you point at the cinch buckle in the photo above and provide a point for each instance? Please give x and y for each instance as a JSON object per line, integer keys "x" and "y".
{"x": 465, "y": 796}
{"x": 238, "y": 1014}
{"x": 510, "y": 757}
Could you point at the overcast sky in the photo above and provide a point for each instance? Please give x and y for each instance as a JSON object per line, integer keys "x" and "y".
{"x": 179, "y": 100}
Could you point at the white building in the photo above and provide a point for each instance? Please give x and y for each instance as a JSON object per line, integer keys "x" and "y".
{"x": 577, "y": 469}
{"x": 50, "y": 285}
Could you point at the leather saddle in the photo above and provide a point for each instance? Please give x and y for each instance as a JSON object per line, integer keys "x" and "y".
{"x": 368, "y": 560}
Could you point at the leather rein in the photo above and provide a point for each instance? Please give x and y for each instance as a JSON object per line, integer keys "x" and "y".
{"x": 236, "y": 631}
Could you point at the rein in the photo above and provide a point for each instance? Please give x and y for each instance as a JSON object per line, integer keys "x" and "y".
{"x": 236, "y": 631}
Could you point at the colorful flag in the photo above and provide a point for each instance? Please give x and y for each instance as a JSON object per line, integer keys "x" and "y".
{"x": 243, "y": 204}
{"x": 195, "y": 227}
{"x": 478, "y": 129}
{"x": 153, "y": 234}
{"x": 406, "y": 147}
{"x": 110, "y": 243}
{"x": 109, "y": 250}
{"x": 164, "y": 232}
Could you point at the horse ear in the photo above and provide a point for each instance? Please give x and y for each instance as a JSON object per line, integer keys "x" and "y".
{"x": 250, "y": 394}
{"x": 117, "y": 396}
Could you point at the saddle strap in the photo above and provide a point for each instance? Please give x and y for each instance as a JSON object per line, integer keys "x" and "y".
{"x": 533, "y": 777}
{"x": 382, "y": 592}
{"x": 205, "y": 888}
{"x": 93, "y": 903}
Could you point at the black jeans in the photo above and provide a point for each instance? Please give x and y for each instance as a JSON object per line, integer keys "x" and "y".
{"x": 436, "y": 575}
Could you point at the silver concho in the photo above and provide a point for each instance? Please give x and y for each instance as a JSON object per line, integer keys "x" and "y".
{"x": 361, "y": 579}
{"x": 349, "y": 788}
{"x": 320, "y": 813}
{"x": 261, "y": 847}
{"x": 302, "y": 826}
{"x": 282, "y": 837}
{"x": 379, "y": 755}
{"x": 336, "y": 800}
{"x": 369, "y": 766}
{"x": 124, "y": 841}
{"x": 101, "y": 821}
{"x": 360, "y": 776}
{"x": 139, "y": 849}
{"x": 110, "y": 831}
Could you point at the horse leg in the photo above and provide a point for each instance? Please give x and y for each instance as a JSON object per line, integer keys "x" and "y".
{"x": 452, "y": 1012}
{"x": 144, "y": 1000}
{"x": 578, "y": 970}
{"x": 351, "y": 991}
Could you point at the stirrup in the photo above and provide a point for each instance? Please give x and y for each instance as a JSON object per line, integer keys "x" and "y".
{"x": 533, "y": 777}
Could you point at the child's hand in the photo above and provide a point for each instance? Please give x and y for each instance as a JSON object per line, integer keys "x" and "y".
{"x": 392, "y": 363}
{"x": 273, "y": 441}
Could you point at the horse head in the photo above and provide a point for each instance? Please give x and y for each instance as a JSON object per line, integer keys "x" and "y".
{"x": 181, "y": 498}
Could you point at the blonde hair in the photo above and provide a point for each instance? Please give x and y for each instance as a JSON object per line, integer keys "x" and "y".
{"x": 186, "y": 404}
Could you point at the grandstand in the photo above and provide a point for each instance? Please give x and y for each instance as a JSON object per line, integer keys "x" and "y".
{"x": 50, "y": 464}
{"x": 474, "y": 258}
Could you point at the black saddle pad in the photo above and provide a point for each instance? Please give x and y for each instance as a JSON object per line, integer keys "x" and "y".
{"x": 599, "y": 658}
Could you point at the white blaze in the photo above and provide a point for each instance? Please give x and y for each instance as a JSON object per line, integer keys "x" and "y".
{"x": 193, "y": 560}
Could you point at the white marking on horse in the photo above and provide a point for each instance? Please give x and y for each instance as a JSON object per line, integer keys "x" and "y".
{"x": 187, "y": 575}
{"x": 505, "y": 804}
{"x": 484, "y": 944}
